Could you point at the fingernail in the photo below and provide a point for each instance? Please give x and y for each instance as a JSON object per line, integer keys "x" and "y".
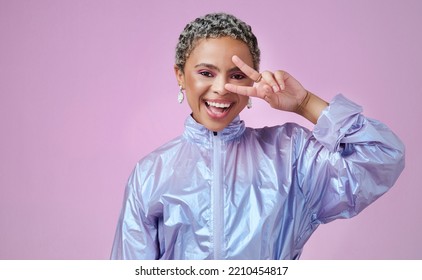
{"x": 275, "y": 88}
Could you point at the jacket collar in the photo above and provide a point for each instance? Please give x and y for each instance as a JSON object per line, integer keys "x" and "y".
{"x": 196, "y": 132}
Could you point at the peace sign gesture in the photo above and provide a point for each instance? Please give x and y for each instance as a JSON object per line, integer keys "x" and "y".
{"x": 281, "y": 90}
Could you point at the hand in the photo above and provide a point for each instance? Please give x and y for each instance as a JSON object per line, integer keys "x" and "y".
{"x": 279, "y": 89}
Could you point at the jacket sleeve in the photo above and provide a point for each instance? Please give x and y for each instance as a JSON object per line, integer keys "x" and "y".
{"x": 348, "y": 162}
{"x": 136, "y": 234}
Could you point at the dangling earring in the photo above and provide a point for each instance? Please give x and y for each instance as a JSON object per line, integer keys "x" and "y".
{"x": 180, "y": 96}
{"x": 249, "y": 103}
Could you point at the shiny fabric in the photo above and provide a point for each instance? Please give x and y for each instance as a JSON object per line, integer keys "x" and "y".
{"x": 249, "y": 193}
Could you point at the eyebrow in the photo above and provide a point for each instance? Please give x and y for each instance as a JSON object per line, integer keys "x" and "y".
{"x": 211, "y": 66}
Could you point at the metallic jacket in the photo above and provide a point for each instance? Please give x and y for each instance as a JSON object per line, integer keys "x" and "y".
{"x": 248, "y": 193}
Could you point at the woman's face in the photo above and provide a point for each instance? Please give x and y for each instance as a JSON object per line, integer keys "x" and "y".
{"x": 208, "y": 68}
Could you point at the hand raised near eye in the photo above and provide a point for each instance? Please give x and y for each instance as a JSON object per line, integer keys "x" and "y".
{"x": 281, "y": 90}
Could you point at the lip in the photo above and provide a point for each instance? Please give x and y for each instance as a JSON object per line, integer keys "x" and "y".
{"x": 218, "y": 115}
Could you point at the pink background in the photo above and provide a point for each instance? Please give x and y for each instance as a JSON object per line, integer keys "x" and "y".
{"x": 87, "y": 89}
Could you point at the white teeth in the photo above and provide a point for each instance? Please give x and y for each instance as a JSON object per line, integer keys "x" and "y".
{"x": 218, "y": 105}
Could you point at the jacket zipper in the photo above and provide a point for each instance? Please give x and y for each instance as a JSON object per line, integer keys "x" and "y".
{"x": 218, "y": 195}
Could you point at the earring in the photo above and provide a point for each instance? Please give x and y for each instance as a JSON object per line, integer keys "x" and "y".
{"x": 180, "y": 96}
{"x": 249, "y": 103}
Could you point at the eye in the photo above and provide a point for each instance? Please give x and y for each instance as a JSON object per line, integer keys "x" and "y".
{"x": 238, "y": 76}
{"x": 206, "y": 74}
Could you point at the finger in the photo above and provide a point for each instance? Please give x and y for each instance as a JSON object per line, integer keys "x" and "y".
{"x": 242, "y": 90}
{"x": 271, "y": 80}
{"x": 249, "y": 71}
{"x": 280, "y": 76}
{"x": 272, "y": 99}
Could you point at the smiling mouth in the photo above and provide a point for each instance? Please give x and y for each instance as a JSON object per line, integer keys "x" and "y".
{"x": 218, "y": 109}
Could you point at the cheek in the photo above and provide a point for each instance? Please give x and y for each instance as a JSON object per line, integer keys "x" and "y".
{"x": 243, "y": 101}
{"x": 196, "y": 87}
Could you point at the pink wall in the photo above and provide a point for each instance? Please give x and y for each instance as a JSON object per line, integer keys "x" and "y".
{"x": 87, "y": 88}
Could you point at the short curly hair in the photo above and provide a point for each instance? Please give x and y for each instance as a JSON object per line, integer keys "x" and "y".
{"x": 215, "y": 25}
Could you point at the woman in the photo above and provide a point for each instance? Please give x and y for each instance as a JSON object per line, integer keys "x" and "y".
{"x": 224, "y": 191}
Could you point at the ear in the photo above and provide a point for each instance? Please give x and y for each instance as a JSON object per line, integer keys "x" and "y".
{"x": 180, "y": 76}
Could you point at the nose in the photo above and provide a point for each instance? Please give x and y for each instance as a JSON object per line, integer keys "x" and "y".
{"x": 218, "y": 85}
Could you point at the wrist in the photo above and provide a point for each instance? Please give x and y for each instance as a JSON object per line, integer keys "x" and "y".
{"x": 311, "y": 107}
{"x": 302, "y": 106}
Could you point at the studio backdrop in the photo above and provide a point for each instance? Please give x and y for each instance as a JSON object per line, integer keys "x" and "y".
{"x": 87, "y": 88}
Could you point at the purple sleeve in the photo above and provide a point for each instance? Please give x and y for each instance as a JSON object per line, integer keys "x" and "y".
{"x": 348, "y": 162}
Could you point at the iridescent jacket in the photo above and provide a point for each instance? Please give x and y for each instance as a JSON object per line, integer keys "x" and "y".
{"x": 248, "y": 193}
